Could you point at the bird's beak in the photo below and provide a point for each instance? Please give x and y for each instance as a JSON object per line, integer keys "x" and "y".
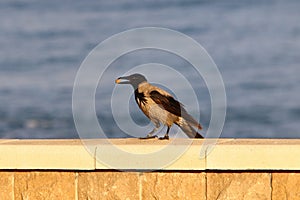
{"x": 119, "y": 80}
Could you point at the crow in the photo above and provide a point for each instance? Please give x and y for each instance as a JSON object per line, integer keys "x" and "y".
{"x": 160, "y": 107}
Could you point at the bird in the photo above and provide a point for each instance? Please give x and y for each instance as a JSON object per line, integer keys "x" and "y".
{"x": 160, "y": 107}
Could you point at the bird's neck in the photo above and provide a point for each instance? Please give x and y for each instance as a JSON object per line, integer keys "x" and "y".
{"x": 137, "y": 85}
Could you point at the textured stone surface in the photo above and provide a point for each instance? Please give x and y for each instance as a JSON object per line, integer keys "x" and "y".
{"x": 239, "y": 186}
{"x": 44, "y": 185}
{"x": 219, "y": 185}
{"x": 285, "y": 186}
{"x": 173, "y": 186}
{"x": 6, "y": 185}
{"x": 108, "y": 185}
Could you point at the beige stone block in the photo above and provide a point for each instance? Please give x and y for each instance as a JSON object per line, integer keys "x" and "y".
{"x": 173, "y": 185}
{"x": 285, "y": 186}
{"x": 6, "y": 185}
{"x": 245, "y": 154}
{"x": 108, "y": 185}
{"x": 44, "y": 185}
{"x": 238, "y": 186}
{"x": 154, "y": 154}
{"x": 45, "y": 154}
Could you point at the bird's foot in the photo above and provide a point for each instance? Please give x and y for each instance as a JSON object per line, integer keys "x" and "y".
{"x": 148, "y": 137}
{"x": 166, "y": 137}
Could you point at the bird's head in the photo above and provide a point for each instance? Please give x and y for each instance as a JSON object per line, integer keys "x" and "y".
{"x": 134, "y": 80}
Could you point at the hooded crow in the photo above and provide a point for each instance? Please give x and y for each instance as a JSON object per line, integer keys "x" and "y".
{"x": 160, "y": 107}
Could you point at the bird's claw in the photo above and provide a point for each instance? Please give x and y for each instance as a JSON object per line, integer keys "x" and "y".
{"x": 148, "y": 137}
{"x": 166, "y": 137}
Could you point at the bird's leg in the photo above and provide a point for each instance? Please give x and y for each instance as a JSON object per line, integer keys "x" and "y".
{"x": 166, "y": 137}
{"x": 150, "y": 135}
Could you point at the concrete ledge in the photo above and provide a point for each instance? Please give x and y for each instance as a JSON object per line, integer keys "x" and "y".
{"x": 227, "y": 154}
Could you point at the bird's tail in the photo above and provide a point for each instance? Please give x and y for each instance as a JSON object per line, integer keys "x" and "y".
{"x": 188, "y": 129}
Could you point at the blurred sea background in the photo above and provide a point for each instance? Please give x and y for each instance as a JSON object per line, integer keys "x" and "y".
{"x": 254, "y": 43}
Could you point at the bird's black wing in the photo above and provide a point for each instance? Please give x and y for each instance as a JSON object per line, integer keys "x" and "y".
{"x": 173, "y": 106}
{"x": 167, "y": 102}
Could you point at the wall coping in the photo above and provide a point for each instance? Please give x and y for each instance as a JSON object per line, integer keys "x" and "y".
{"x": 227, "y": 154}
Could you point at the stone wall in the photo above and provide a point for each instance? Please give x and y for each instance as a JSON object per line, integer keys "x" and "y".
{"x": 234, "y": 169}
{"x": 239, "y": 185}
